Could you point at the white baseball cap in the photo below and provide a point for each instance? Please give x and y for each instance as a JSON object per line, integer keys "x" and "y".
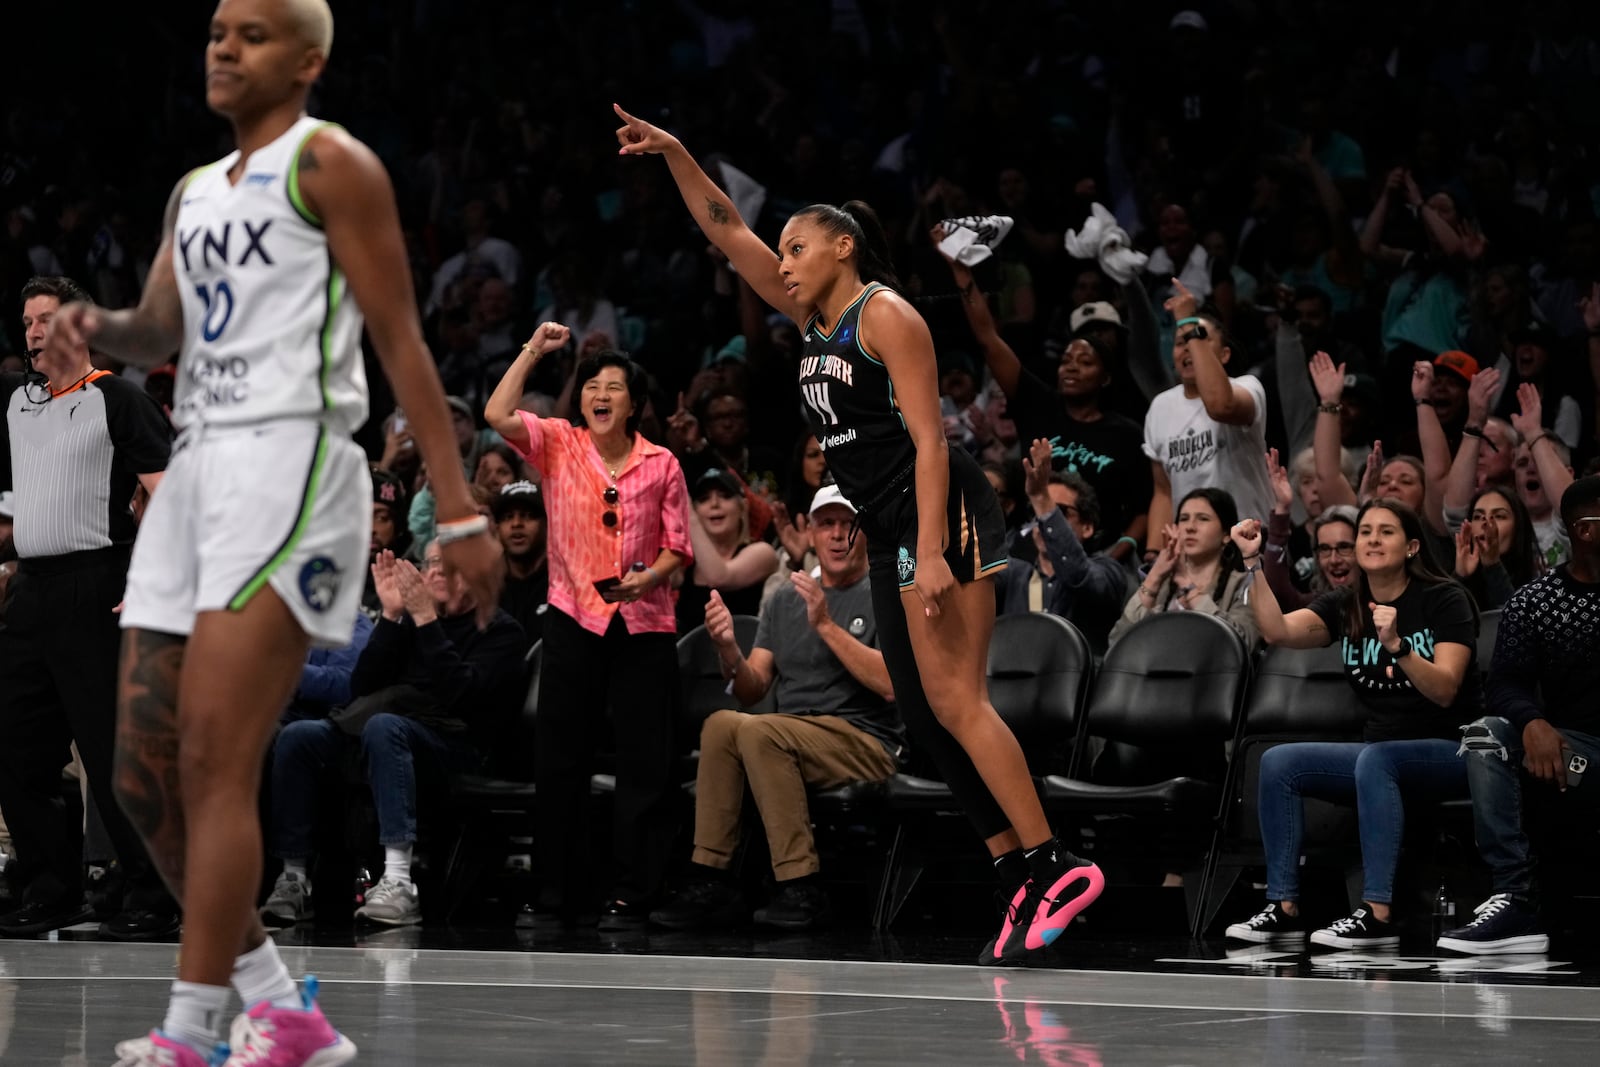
{"x": 1191, "y": 20}
{"x": 1094, "y": 311}
{"x": 830, "y": 494}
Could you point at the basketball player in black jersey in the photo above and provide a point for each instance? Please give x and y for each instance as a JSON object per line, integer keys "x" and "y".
{"x": 934, "y": 529}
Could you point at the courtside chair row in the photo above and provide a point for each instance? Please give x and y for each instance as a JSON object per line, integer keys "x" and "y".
{"x": 1178, "y": 698}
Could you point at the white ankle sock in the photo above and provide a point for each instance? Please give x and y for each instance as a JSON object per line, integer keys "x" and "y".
{"x": 260, "y": 975}
{"x": 397, "y": 862}
{"x": 194, "y": 1015}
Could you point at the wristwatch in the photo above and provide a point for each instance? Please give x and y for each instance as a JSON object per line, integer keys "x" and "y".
{"x": 1404, "y": 650}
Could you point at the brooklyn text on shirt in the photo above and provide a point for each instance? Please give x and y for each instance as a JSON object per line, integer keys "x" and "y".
{"x": 1193, "y": 450}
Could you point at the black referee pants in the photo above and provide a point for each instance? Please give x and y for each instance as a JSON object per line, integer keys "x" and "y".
{"x": 59, "y": 647}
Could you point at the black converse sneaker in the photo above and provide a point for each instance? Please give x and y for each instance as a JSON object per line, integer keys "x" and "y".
{"x": 1501, "y": 924}
{"x": 1359, "y": 929}
{"x": 1270, "y": 926}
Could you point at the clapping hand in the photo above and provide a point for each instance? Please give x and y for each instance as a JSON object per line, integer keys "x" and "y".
{"x": 791, "y": 532}
{"x": 1467, "y": 551}
{"x": 1529, "y": 420}
{"x": 387, "y": 585}
{"x": 719, "y": 622}
{"x": 816, "y": 604}
{"x": 1167, "y": 559}
{"x": 414, "y": 594}
{"x": 1479, "y": 393}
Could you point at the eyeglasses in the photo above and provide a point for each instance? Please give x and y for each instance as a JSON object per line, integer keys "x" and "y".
{"x": 1338, "y": 548}
{"x": 433, "y": 563}
{"x": 610, "y": 496}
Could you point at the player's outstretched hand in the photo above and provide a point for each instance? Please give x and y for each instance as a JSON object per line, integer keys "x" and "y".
{"x": 72, "y": 326}
{"x": 481, "y": 563}
{"x": 638, "y": 138}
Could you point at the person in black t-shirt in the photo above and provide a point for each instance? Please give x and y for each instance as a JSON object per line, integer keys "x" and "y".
{"x": 1408, "y": 637}
{"x": 934, "y": 532}
{"x": 518, "y": 511}
{"x": 1106, "y": 448}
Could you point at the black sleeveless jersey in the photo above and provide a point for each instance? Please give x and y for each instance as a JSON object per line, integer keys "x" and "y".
{"x": 851, "y": 407}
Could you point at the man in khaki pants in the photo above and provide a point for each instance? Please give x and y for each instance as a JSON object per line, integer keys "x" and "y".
{"x": 835, "y": 723}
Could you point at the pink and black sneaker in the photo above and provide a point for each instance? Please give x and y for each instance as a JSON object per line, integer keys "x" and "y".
{"x": 1040, "y": 912}
{"x": 266, "y": 1036}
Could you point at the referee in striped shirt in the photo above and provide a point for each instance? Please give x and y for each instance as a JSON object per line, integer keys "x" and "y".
{"x": 75, "y": 444}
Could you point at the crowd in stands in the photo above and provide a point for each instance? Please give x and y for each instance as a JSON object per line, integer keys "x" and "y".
{"x": 1367, "y": 269}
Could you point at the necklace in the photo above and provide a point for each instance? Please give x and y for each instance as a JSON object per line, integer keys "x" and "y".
{"x": 613, "y": 466}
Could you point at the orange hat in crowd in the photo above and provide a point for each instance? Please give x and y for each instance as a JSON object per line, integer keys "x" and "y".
{"x": 1457, "y": 363}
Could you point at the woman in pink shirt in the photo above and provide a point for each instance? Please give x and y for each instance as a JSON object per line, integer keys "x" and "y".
{"x": 618, "y": 528}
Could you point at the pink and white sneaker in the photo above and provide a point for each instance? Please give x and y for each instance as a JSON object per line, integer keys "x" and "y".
{"x": 1041, "y": 913}
{"x": 159, "y": 1050}
{"x": 266, "y": 1036}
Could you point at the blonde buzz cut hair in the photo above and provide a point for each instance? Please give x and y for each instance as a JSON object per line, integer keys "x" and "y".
{"x": 314, "y": 20}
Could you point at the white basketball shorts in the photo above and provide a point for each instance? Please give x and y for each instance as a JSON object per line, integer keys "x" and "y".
{"x": 286, "y": 504}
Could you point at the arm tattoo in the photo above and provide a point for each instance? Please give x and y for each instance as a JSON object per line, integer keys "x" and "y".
{"x": 717, "y": 210}
{"x": 147, "y": 748}
{"x": 308, "y": 159}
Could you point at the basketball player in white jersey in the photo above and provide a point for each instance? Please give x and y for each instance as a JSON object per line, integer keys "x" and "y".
{"x": 254, "y": 547}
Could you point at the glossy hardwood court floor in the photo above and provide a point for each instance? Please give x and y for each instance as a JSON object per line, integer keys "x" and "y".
{"x": 493, "y": 997}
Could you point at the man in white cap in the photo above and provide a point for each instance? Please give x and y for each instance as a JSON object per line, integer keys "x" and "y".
{"x": 834, "y": 724}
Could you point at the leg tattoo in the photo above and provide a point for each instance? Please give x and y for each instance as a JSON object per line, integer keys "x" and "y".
{"x": 147, "y": 748}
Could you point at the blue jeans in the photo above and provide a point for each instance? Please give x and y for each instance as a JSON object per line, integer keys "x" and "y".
{"x": 1376, "y": 776}
{"x": 1496, "y": 776}
{"x": 392, "y": 747}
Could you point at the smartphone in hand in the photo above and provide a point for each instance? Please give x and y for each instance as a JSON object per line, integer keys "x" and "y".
{"x": 1576, "y": 765}
{"x": 605, "y": 586}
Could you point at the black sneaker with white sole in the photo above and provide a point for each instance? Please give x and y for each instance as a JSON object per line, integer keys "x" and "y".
{"x": 1359, "y": 929}
{"x": 1502, "y": 924}
{"x": 1269, "y": 926}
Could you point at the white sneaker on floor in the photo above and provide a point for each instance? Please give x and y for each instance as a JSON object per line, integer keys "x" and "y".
{"x": 392, "y": 902}
{"x": 289, "y": 903}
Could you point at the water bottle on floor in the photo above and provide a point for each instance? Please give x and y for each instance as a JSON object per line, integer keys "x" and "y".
{"x": 363, "y": 883}
{"x": 1444, "y": 912}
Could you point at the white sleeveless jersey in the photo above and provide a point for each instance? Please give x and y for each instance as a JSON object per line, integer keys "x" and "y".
{"x": 269, "y": 330}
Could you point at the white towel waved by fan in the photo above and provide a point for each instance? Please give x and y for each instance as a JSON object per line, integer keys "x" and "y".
{"x": 1103, "y": 239}
{"x": 971, "y": 239}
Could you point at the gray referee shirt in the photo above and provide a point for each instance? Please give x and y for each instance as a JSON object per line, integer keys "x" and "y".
{"x": 74, "y": 460}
